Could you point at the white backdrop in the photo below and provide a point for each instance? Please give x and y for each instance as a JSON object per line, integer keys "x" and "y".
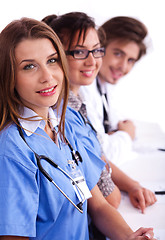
{"x": 141, "y": 93}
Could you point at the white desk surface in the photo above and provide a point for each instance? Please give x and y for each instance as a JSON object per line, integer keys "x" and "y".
{"x": 148, "y": 167}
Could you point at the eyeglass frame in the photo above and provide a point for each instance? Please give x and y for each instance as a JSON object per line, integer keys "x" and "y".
{"x": 72, "y": 52}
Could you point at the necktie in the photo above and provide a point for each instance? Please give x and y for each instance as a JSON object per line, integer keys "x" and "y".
{"x": 106, "y": 122}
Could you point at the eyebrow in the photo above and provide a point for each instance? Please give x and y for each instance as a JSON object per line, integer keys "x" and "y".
{"x": 119, "y": 50}
{"x": 32, "y": 60}
{"x": 82, "y": 46}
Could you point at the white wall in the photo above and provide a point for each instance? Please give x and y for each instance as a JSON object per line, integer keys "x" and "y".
{"x": 141, "y": 93}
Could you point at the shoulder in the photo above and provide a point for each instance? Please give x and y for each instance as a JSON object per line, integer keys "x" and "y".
{"x": 8, "y": 136}
{"x": 73, "y": 116}
{"x": 14, "y": 149}
{"x": 70, "y": 112}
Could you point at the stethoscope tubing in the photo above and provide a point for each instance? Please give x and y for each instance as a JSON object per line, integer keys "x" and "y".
{"x": 42, "y": 170}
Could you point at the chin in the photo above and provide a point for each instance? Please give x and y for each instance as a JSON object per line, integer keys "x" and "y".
{"x": 88, "y": 82}
{"x": 113, "y": 81}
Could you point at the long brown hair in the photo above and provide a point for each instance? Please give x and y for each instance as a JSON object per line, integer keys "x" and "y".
{"x": 10, "y": 37}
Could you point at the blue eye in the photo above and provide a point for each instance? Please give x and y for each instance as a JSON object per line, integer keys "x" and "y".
{"x": 79, "y": 52}
{"x": 53, "y": 60}
{"x": 97, "y": 50}
{"x": 28, "y": 67}
{"x": 131, "y": 60}
{"x": 117, "y": 54}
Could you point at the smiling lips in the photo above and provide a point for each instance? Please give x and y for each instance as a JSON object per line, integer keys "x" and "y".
{"x": 116, "y": 74}
{"x": 47, "y": 91}
{"x": 88, "y": 73}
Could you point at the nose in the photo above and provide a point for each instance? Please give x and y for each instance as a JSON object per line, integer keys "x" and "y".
{"x": 45, "y": 75}
{"x": 90, "y": 60}
{"x": 124, "y": 65}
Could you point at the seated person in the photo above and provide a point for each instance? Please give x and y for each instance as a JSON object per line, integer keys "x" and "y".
{"x": 77, "y": 42}
{"x": 124, "y": 45}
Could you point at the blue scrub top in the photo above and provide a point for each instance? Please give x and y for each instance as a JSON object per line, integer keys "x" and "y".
{"x": 29, "y": 204}
{"x": 84, "y": 132}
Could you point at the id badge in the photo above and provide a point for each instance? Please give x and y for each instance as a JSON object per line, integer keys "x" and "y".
{"x": 80, "y": 187}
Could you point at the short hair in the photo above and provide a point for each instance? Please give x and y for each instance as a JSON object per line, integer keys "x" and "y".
{"x": 10, "y": 37}
{"x": 124, "y": 29}
{"x": 67, "y": 25}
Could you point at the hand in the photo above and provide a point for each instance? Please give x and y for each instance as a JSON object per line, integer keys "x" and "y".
{"x": 142, "y": 233}
{"x": 127, "y": 126}
{"x": 141, "y": 197}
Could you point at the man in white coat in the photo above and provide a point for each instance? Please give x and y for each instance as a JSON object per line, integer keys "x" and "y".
{"x": 124, "y": 45}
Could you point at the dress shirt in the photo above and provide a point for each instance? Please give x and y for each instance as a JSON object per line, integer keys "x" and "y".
{"x": 118, "y": 146}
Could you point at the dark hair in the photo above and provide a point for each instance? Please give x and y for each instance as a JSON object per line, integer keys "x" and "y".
{"x": 10, "y": 37}
{"x": 125, "y": 29}
{"x": 67, "y": 25}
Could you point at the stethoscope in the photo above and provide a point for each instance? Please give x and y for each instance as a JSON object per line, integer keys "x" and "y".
{"x": 104, "y": 100}
{"x": 107, "y": 123}
{"x": 75, "y": 156}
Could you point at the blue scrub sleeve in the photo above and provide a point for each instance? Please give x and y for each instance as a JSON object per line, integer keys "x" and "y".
{"x": 84, "y": 131}
{"x": 93, "y": 165}
{"x": 19, "y": 194}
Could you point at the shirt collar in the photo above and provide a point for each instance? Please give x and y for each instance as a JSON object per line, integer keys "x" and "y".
{"x": 74, "y": 101}
{"x": 102, "y": 85}
{"x": 30, "y": 126}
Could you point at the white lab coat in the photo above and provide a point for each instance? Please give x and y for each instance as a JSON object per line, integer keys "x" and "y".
{"x": 118, "y": 146}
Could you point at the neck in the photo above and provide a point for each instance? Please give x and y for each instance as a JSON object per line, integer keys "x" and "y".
{"x": 52, "y": 134}
{"x": 48, "y": 129}
{"x": 101, "y": 78}
{"x": 75, "y": 89}
{"x": 42, "y": 112}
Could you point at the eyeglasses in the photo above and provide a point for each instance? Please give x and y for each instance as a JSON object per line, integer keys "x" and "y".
{"x": 84, "y": 53}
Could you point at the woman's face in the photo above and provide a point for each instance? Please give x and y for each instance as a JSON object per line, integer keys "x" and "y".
{"x": 84, "y": 71}
{"x": 39, "y": 76}
{"x": 119, "y": 59}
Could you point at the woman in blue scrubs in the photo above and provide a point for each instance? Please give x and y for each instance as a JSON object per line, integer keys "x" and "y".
{"x": 32, "y": 84}
{"x": 77, "y": 32}
{"x": 84, "y": 54}
{"x": 45, "y": 183}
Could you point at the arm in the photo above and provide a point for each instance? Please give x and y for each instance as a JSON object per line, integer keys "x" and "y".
{"x": 114, "y": 197}
{"x": 117, "y": 146}
{"x": 139, "y": 196}
{"x": 128, "y": 127}
{"x": 110, "y": 222}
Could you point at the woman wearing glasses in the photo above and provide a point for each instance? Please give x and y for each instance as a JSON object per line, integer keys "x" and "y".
{"x": 84, "y": 54}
